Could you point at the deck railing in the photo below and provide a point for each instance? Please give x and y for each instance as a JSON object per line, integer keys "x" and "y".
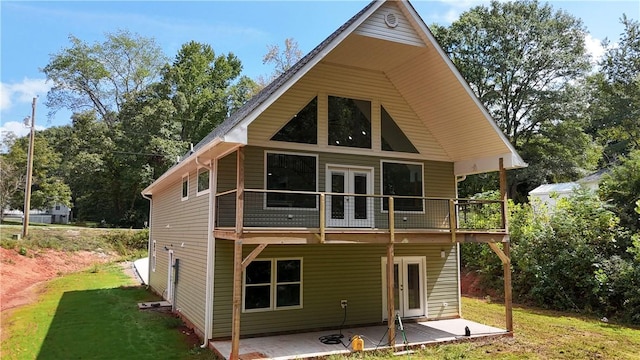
{"x": 272, "y": 209}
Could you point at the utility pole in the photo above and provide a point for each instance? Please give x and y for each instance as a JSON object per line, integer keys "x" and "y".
{"x": 27, "y": 189}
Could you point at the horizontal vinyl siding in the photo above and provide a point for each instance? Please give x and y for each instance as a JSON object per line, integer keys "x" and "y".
{"x": 376, "y": 27}
{"x": 326, "y": 79}
{"x": 330, "y": 273}
{"x": 182, "y": 227}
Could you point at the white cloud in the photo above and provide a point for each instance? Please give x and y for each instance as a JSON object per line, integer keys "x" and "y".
{"x": 594, "y": 48}
{"x": 22, "y": 92}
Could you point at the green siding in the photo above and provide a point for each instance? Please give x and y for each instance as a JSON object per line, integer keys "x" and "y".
{"x": 332, "y": 273}
{"x": 182, "y": 227}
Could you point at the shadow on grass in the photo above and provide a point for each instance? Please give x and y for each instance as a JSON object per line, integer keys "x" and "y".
{"x": 106, "y": 324}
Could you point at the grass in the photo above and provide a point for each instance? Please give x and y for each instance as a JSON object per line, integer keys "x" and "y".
{"x": 539, "y": 334}
{"x": 129, "y": 244}
{"x": 93, "y": 315}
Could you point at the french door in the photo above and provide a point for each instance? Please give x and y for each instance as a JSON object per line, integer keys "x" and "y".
{"x": 408, "y": 286}
{"x": 349, "y": 210}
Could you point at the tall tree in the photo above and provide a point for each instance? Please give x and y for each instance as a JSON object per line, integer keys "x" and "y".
{"x": 615, "y": 101}
{"x": 521, "y": 58}
{"x": 100, "y": 76}
{"x": 282, "y": 59}
{"x": 201, "y": 88}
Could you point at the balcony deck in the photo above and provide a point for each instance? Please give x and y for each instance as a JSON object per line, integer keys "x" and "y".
{"x": 338, "y": 218}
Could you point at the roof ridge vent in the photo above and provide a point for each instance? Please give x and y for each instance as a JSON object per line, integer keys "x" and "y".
{"x": 391, "y": 19}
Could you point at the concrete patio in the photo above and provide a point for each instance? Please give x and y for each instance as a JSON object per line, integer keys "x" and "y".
{"x": 308, "y": 345}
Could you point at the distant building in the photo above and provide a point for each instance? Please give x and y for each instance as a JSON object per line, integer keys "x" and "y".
{"x": 550, "y": 193}
{"x": 57, "y": 214}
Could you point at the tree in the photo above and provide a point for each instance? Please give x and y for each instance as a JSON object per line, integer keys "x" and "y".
{"x": 100, "y": 76}
{"x": 282, "y": 59}
{"x": 47, "y": 188}
{"x": 12, "y": 177}
{"x": 621, "y": 187}
{"x": 201, "y": 88}
{"x": 521, "y": 58}
{"x": 616, "y": 94}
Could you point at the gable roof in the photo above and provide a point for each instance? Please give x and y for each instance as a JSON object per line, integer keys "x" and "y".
{"x": 467, "y": 158}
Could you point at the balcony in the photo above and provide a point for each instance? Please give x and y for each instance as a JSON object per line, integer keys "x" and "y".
{"x": 292, "y": 217}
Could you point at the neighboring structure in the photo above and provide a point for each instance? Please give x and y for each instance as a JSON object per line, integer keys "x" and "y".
{"x": 338, "y": 181}
{"x": 57, "y": 214}
{"x": 549, "y": 194}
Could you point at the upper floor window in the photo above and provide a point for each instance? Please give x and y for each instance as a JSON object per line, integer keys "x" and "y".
{"x": 392, "y": 137}
{"x": 349, "y": 122}
{"x": 404, "y": 180}
{"x": 203, "y": 180}
{"x": 303, "y": 127}
{"x": 185, "y": 187}
{"x": 291, "y": 172}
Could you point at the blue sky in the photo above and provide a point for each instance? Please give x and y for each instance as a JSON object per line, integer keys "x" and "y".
{"x": 31, "y": 31}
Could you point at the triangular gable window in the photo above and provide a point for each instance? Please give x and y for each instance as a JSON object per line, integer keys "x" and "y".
{"x": 303, "y": 127}
{"x": 393, "y": 139}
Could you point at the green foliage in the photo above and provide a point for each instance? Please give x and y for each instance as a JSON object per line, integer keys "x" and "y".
{"x": 615, "y": 100}
{"x": 521, "y": 59}
{"x": 621, "y": 187}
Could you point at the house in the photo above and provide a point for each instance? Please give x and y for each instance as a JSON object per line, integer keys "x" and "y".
{"x": 57, "y": 214}
{"x": 549, "y": 194}
{"x": 334, "y": 186}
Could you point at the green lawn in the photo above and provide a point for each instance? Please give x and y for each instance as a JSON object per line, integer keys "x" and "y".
{"x": 93, "y": 315}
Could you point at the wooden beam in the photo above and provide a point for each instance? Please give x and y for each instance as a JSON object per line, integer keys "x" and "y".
{"x": 240, "y": 190}
{"x": 506, "y": 249}
{"x": 391, "y": 313}
{"x": 452, "y": 220}
{"x": 392, "y": 221}
{"x": 323, "y": 217}
{"x": 507, "y": 288}
{"x": 503, "y": 257}
{"x": 237, "y": 300}
{"x": 254, "y": 254}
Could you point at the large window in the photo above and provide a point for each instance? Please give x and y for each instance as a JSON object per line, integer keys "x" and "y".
{"x": 349, "y": 122}
{"x": 273, "y": 284}
{"x": 303, "y": 127}
{"x": 203, "y": 180}
{"x": 399, "y": 180}
{"x": 291, "y": 172}
{"x": 391, "y": 136}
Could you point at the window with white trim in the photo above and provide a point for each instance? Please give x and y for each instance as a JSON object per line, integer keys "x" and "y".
{"x": 403, "y": 179}
{"x": 272, "y": 284}
{"x": 185, "y": 187}
{"x": 203, "y": 181}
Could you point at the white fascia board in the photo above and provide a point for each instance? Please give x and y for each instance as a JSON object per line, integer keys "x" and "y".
{"x": 180, "y": 165}
{"x": 237, "y": 134}
{"x": 487, "y": 164}
{"x": 304, "y": 70}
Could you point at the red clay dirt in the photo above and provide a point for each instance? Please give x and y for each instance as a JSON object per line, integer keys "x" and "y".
{"x": 20, "y": 274}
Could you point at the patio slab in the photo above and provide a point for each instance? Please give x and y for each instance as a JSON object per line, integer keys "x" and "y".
{"x": 308, "y": 345}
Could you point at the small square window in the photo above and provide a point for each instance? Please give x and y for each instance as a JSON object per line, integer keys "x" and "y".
{"x": 264, "y": 290}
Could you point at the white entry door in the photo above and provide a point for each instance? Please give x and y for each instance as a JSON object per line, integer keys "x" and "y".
{"x": 349, "y": 210}
{"x": 408, "y": 286}
{"x": 170, "y": 277}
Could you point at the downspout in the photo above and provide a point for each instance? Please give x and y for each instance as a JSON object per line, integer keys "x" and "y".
{"x": 149, "y": 241}
{"x": 208, "y": 305}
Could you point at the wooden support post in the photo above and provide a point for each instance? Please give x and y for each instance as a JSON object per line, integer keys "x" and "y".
{"x": 237, "y": 258}
{"x": 323, "y": 217}
{"x": 506, "y": 249}
{"x": 391, "y": 312}
{"x": 237, "y": 300}
{"x": 452, "y": 220}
